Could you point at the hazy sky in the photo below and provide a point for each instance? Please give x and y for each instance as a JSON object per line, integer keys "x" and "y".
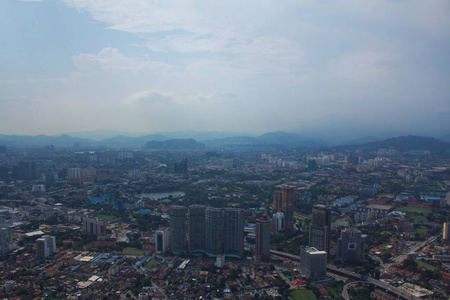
{"x": 255, "y": 66}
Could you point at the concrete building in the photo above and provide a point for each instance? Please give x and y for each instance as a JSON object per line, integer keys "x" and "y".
{"x": 73, "y": 173}
{"x": 162, "y": 240}
{"x": 196, "y": 228}
{"x": 95, "y": 226}
{"x": 5, "y": 241}
{"x": 143, "y": 296}
{"x": 313, "y": 263}
{"x": 446, "y": 232}
{"x": 350, "y": 246}
{"x": 278, "y": 222}
{"x": 177, "y": 215}
{"x": 224, "y": 232}
{"x": 214, "y": 222}
{"x": 283, "y": 201}
{"x": 262, "y": 240}
{"x": 320, "y": 227}
{"x": 45, "y": 246}
{"x": 220, "y": 261}
{"x": 234, "y": 232}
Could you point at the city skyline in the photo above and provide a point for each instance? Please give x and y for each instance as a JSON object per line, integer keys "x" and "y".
{"x": 295, "y": 66}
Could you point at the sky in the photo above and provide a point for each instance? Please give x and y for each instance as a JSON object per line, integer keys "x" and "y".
{"x": 343, "y": 67}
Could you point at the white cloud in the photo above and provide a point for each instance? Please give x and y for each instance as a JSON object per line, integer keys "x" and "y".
{"x": 111, "y": 59}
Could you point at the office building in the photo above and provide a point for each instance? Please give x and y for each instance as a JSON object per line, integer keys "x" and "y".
{"x": 350, "y": 246}
{"x": 95, "y": 226}
{"x": 446, "y": 232}
{"x": 196, "y": 228}
{"x": 262, "y": 241}
{"x": 283, "y": 201}
{"x": 313, "y": 263}
{"x": 177, "y": 215}
{"x": 162, "y": 240}
{"x": 45, "y": 246}
{"x": 319, "y": 229}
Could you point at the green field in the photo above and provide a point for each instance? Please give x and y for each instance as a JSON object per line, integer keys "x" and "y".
{"x": 150, "y": 263}
{"x": 415, "y": 214}
{"x": 132, "y": 251}
{"x": 422, "y": 264}
{"x": 303, "y": 295}
{"x": 421, "y": 230}
{"x": 413, "y": 210}
{"x": 105, "y": 217}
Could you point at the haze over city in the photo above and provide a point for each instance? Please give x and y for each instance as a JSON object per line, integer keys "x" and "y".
{"x": 152, "y": 66}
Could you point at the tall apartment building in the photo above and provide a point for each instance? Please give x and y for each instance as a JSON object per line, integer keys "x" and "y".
{"x": 25, "y": 170}
{"x": 45, "y": 246}
{"x": 162, "y": 240}
{"x": 278, "y": 222}
{"x": 196, "y": 228}
{"x": 177, "y": 215}
{"x": 5, "y": 241}
{"x": 446, "y": 232}
{"x": 320, "y": 227}
{"x": 234, "y": 232}
{"x": 95, "y": 226}
{"x": 283, "y": 201}
{"x": 313, "y": 263}
{"x": 350, "y": 246}
{"x": 73, "y": 173}
{"x": 262, "y": 241}
{"x": 214, "y": 235}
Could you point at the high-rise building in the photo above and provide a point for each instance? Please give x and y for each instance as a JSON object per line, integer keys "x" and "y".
{"x": 234, "y": 232}
{"x": 177, "y": 215}
{"x": 5, "y": 241}
{"x": 224, "y": 232}
{"x": 95, "y": 226}
{"x": 45, "y": 246}
{"x": 283, "y": 201}
{"x": 313, "y": 263}
{"x": 73, "y": 173}
{"x": 196, "y": 228}
{"x": 350, "y": 246}
{"x": 446, "y": 231}
{"x": 262, "y": 241}
{"x": 319, "y": 229}
{"x": 162, "y": 240}
{"x": 214, "y": 234}
{"x": 278, "y": 222}
{"x": 25, "y": 170}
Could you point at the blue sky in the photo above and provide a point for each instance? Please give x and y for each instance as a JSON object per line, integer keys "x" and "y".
{"x": 349, "y": 67}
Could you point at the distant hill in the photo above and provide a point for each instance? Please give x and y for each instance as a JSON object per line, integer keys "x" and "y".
{"x": 176, "y": 144}
{"x": 42, "y": 140}
{"x": 127, "y": 141}
{"x": 446, "y": 138}
{"x": 405, "y": 143}
{"x": 277, "y": 139}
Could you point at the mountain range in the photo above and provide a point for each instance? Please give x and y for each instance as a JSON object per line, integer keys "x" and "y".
{"x": 201, "y": 140}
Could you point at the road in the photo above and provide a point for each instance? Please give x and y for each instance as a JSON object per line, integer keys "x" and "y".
{"x": 351, "y": 275}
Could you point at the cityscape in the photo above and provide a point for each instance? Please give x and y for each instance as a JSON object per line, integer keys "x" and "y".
{"x": 166, "y": 149}
{"x": 225, "y": 223}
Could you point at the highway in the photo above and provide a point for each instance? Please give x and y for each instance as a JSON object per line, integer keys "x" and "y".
{"x": 354, "y": 276}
